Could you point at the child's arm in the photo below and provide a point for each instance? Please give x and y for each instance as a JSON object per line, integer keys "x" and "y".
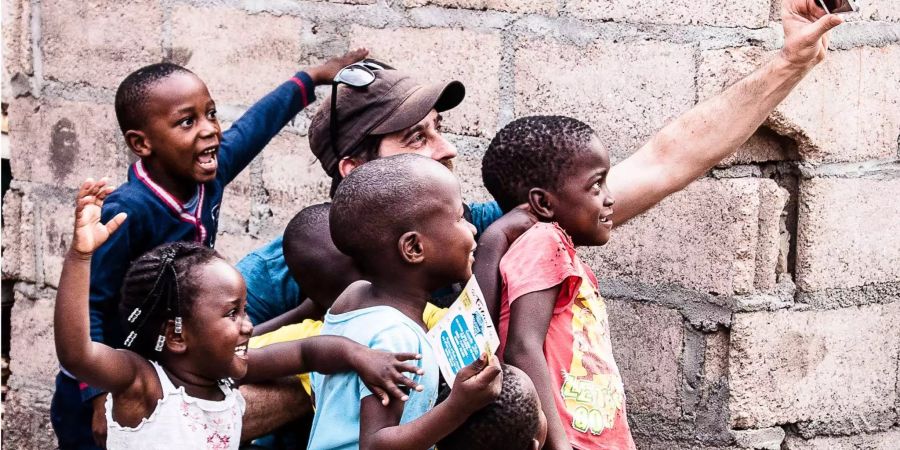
{"x": 529, "y": 321}
{"x": 381, "y": 372}
{"x": 249, "y": 134}
{"x": 91, "y": 362}
{"x": 476, "y": 386}
{"x": 492, "y": 245}
{"x": 306, "y": 310}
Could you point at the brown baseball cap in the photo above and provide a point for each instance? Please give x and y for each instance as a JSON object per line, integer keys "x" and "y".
{"x": 392, "y": 102}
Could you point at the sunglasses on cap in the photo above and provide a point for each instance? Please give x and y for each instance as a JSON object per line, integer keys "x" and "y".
{"x": 359, "y": 74}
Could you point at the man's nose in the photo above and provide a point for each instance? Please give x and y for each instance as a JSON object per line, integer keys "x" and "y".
{"x": 443, "y": 149}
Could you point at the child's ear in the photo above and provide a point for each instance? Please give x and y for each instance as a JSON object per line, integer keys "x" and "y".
{"x": 138, "y": 143}
{"x": 411, "y": 248}
{"x": 175, "y": 342}
{"x": 540, "y": 202}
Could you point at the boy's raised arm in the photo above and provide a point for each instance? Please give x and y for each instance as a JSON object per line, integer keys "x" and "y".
{"x": 91, "y": 362}
{"x": 256, "y": 127}
{"x": 476, "y": 386}
{"x": 529, "y": 321}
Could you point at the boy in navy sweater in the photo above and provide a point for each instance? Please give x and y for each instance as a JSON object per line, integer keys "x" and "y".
{"x": 173, "y": 193}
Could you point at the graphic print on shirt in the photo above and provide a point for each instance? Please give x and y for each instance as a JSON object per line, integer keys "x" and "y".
{"x": 592, "y": 389}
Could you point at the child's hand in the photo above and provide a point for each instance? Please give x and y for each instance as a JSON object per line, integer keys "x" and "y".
{"x": 478, "y": 384}
{"x": 382, "y": 372}
{"x": 516, "y": 222}
{"x": 90, "y": 234}
{"x": 324, "y": 73}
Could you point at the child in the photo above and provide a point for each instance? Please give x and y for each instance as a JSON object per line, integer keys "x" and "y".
{"x": 183, "y": 307}
{"x": 401, "y": 220}
{"x": 173, "y": 193}
{"x": 514, "y": 421}
{"x": 553, "y": 323}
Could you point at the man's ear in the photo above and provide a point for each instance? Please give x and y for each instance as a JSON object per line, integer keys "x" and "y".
{"x": 138, "y": 143}
{"x": 541, "y": 203}
{"x": 347, "y": 164}
{"x": 411, "y": 248}
{"x": 175, "y": 342}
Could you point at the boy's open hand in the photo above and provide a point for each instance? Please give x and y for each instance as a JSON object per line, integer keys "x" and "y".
{"x": 90, "y": 234}
{"x": 382, "y": 372}
{"x": 324, "y": 73}
{"x": 478, "y": 384}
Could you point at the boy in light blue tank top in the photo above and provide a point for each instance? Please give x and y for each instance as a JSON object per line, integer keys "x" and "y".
{"x": 401, "y": 219}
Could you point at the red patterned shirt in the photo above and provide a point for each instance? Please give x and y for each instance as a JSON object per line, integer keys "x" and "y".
{"x": 590, "y": 397}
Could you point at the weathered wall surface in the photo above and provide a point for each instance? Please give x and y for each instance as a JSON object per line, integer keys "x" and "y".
{"x": 759, "y": 308}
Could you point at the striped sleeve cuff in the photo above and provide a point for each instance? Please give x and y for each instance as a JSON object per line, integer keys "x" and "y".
{"x": 307, "y": 87}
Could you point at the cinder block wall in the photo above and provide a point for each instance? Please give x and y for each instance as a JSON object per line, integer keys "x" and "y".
{"x": 759, "y": 308}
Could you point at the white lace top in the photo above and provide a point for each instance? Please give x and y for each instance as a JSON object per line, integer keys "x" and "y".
{"x": 181, "y": 422}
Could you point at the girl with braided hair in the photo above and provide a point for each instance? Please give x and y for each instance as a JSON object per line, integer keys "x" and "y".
{"x": 187, "y": 333}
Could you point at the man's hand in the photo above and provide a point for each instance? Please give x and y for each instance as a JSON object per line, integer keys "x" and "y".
{"x": 324, "y": 73}
{"x": 98, "y": 422}
{"x": 805, "y": 26}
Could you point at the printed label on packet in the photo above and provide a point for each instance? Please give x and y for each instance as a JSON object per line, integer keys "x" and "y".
{"x": 464, "y": 333}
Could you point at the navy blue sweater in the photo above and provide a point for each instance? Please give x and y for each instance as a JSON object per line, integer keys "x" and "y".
{"x": 156, "y": 217}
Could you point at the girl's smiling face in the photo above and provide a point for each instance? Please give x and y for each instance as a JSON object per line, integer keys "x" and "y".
{"x": 217, "y": 329}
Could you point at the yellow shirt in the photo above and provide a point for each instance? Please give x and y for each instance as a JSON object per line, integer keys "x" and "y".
{"x": 309, "y": 328}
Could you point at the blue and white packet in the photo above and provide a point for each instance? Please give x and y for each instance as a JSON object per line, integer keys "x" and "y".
{"x": 464, "y": 333}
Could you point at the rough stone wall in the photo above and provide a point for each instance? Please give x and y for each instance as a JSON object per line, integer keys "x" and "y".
{"x": 759, "y": 308}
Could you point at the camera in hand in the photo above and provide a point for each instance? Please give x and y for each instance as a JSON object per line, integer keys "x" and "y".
{"x": 839, "y": 6}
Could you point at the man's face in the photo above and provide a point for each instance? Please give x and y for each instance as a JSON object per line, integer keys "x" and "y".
{"x": 423, "y": 138}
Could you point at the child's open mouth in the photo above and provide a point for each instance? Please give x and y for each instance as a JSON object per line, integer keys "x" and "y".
{"x": 241, "y": 351}
{"x": 207, "y": 159}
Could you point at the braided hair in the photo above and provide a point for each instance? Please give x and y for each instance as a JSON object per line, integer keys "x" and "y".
{"x": 157, "y": 288}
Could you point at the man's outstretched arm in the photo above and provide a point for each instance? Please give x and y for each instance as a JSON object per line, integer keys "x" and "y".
{"x": 695, "y": 142}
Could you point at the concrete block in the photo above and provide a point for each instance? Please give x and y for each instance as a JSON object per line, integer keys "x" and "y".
{"x": 26, "y": 421}
{"x": 241, "y": 56}
{"x": 717, "y": 236}
{"x": 56, "y": 212}
{"x": 61, "y": 142}
{"x": 880, "y": 10}
{"x": 33, "y": 367}
{"x": 796, "y": 366}
{"x": 292, "y": 177}
{"x": 543, "y": 7}
{"x": 845, "y": 110}
{"x": 33, "y": 360}
{"x": 647, "y": 344}
{"x": 18, "y": 62}
{"x": 887, "y": 440}
{"x": 764, "y": 439}
{"x": 715, "y": 357}
{"x": 19, "y": 257}
{"x": 763, "y": 146}
{"x": 586, "y": 82}
{"x": 852, "y": 245}
{"x": 440, "y": 55}
{"x": 99, "y": 43}
{"x": 749, "y": 14}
